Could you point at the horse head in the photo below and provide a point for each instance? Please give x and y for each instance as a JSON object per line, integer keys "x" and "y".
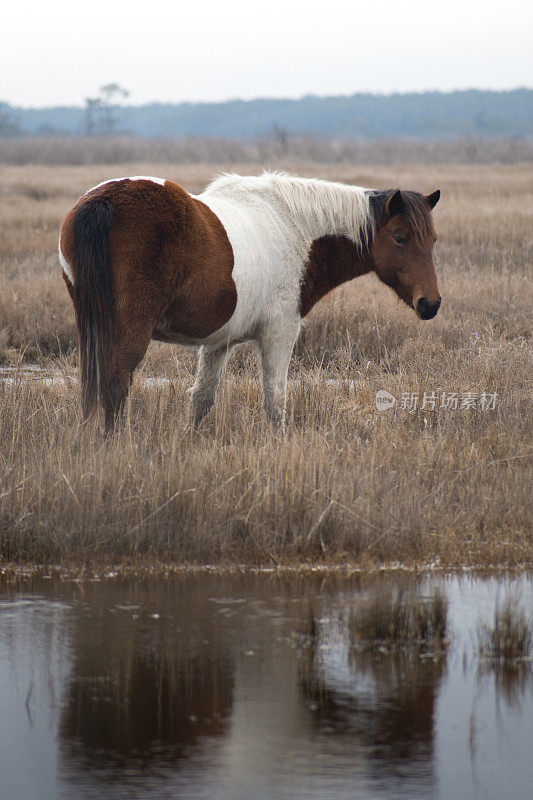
{"x": 402, "y": 247}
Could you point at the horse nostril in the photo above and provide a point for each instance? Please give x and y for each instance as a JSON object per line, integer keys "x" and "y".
{"x": 425, "y": 309}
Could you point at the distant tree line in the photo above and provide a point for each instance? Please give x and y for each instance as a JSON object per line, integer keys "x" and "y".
{"x": 425, "y": 115}
{"x": 9, "y": 125}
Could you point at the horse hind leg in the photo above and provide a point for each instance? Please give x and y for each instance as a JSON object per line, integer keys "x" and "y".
{"x": 211, "y": 363}
{"x": 116, "y": 383}
{"x": 114, "y": 395}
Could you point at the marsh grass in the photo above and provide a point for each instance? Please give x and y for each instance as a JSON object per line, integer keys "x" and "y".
{"x": 510, "y": 636}
{"x": 504, "y": 649}
{"x": 73, "y": 150}
{"x": 346, "y": 483}
{"x": 393, "y": 620}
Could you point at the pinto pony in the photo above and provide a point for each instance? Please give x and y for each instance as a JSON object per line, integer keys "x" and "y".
{"x": 245, "y": 260}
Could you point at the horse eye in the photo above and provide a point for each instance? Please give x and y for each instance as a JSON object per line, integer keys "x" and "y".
{"x": 400, "y": 239}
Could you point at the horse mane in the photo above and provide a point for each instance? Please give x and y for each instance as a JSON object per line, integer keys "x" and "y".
{"x": 416, "y": 211}
{"x": 316, "y": 204}
{"x": 312, "y": 204}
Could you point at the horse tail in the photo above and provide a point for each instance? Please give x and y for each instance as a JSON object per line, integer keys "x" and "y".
{"x": 93, "y": 299}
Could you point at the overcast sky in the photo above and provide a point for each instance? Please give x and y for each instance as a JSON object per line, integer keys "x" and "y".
{"x": 59, "y": 52}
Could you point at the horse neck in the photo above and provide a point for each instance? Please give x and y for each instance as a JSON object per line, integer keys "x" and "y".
{"x": 336, "y": 225}
{"x": 321, "y": 208}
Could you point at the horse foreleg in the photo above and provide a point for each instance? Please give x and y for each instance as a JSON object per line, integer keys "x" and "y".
{"x": 211, "y": 363}
{"x": 276, "y": 349}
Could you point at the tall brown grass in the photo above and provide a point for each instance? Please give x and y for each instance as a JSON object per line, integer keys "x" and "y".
{"x": 346, "y": 483}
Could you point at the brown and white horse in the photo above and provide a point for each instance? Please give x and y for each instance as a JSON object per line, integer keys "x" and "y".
{"x": 245, "y": 260}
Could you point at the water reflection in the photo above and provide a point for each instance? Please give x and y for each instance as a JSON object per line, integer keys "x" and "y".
{"x": 511, "y": 681}
{"x": 150, "y": 681}
{"x": 246, "y": 687}
{"x": 384, "y": 702}
{"x": 151, "y": 706}
{"x": 505, "y": 647}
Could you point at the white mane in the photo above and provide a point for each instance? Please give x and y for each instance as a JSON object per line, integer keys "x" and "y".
{"x": 315, "y": 207}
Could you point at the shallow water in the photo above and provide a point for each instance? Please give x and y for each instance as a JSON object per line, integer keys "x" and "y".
{"x": 34, "y": 373}
{"x": 209, "y": 686}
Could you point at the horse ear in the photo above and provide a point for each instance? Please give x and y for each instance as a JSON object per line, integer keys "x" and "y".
{"x": 433, "y": 198}
{"x": 395, "y": 204}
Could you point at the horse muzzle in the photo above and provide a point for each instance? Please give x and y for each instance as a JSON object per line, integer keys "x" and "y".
{"x": 425, "y": 309}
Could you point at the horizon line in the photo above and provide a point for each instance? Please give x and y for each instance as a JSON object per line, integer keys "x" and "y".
{"x": 259, "y": 98}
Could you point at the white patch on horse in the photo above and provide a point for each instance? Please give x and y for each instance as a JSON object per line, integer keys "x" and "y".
{"x": 65, "y": 266}
{"x": 271, "y": 222}
{"x": 160, "y": 181}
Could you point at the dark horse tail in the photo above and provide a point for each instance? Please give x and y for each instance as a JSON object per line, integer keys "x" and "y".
{"x": 93, "y": 299}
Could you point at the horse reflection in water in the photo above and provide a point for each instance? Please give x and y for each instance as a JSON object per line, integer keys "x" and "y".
{"x": 229, "y": 688}
{"x": 215, "y": 681}
{"x": 143, "y": 700}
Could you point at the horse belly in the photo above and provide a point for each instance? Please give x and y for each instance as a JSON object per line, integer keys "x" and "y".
{"x": 201, "y": 314}
{"x": 211, "y": 322}
{"x": 167, "y": 332}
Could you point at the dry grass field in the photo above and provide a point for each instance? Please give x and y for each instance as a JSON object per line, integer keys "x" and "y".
{"x": 347, "y": 483}
{"x": 297, "y": 149}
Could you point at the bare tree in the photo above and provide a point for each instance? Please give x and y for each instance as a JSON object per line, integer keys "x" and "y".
{"x": 92, "y": 107}
{"x": 110, "y": 94}
{"x": 100, "y": 116}
{"x": 282, "y": 137}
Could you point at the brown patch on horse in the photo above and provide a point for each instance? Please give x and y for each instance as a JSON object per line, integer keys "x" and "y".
{"x": 171, "y": 257}
{"x": 172, "y": 260}
{"x": 332, "y": 260}
{"x": 170, "y": 267}
{"x": 206, "y": 295}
